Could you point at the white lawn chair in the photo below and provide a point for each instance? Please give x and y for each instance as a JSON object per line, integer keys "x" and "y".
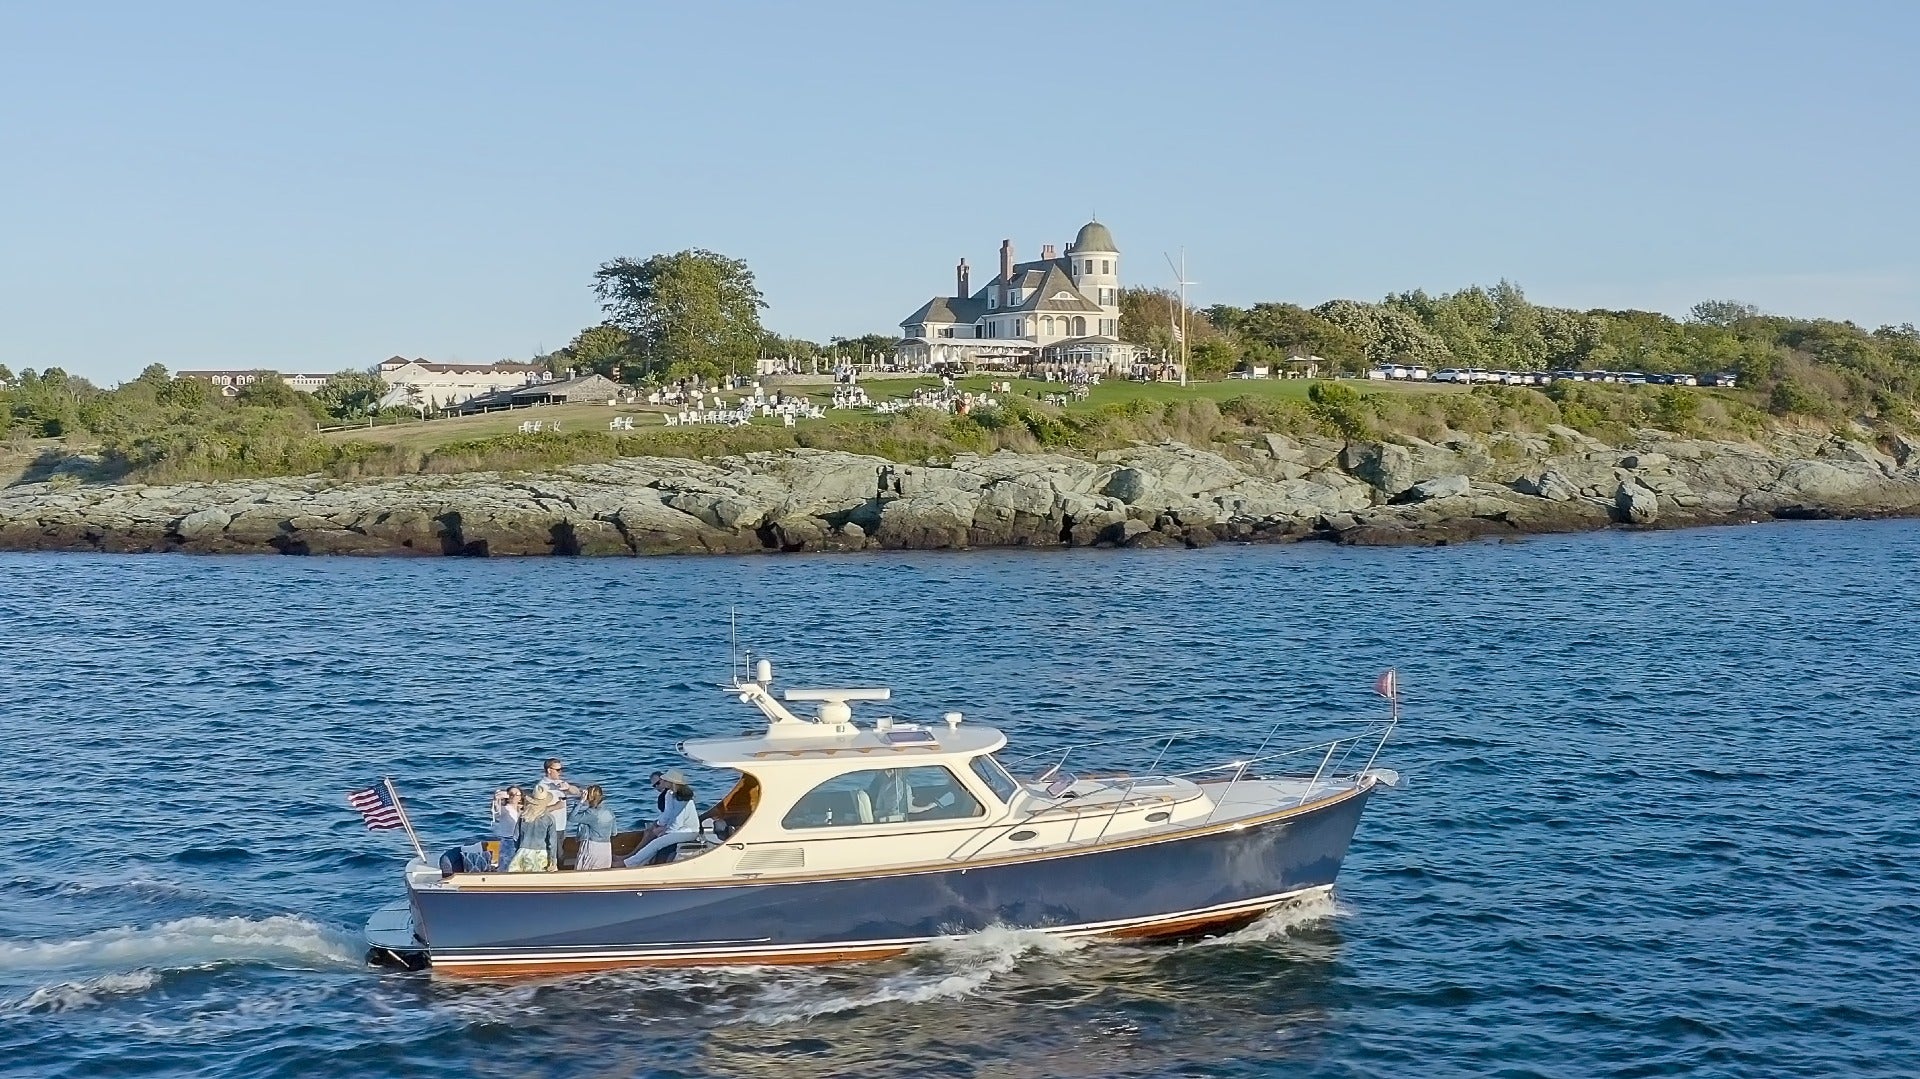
{"x": 526, "y": 427}
{"x": 537, "y": 425}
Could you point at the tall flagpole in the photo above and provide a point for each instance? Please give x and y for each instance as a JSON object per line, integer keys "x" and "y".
{"x": 404, "y": 822}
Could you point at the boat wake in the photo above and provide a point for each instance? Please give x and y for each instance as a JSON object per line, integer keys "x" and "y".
{"x": 1282, "y": 921}
{"x": 281, "y": 940}
{"x": 86, "y": 992}
{"x": 940, "y": 970}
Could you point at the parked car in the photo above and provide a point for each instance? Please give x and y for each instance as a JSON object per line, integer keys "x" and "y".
{"x": 1378, "y": 374}
{"x": 1683, "y": 380}
{"x": 1724, "y": 378}
{"x": 1418, "y": 374}
{"x": 1567, "y": 376}
{"x": 1450, "y": 374}
{"x": 1633, "y": 378}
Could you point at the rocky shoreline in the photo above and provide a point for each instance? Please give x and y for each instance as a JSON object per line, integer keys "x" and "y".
{"x": 1273, "y": 488}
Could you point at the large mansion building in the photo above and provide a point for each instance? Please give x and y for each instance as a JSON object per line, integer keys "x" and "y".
{"x": 1061, "y": 309}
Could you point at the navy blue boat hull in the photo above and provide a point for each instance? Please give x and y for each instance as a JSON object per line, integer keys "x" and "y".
{"x": 1205, "y": 880}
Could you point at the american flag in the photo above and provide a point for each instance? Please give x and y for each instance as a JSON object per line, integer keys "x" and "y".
{"x": 376, "y": 806}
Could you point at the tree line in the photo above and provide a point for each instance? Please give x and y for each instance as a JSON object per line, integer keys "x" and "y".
{"x": 1811, "y": 366}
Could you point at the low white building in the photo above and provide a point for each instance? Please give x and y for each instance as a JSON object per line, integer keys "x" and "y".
{"x": 229, "y": 383}
{"x": 434, "y": 386}
{"x": 1062, "y": 309}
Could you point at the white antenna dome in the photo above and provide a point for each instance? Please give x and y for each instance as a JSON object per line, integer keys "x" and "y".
{"x": 952, "y": 718}
{"x": 763, "y": 672}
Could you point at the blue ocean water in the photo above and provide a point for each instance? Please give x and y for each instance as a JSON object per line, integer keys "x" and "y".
{"x": 1659, "y": 816}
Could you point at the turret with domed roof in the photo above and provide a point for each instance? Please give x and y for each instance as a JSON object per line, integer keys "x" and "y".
{"x": 1094, "y": 262}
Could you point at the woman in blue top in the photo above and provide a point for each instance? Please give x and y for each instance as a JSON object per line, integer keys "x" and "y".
{"x": 595, "y": 825}
{"x": 539, "y": 839}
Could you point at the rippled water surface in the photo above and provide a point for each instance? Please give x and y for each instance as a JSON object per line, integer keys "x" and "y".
{"x": 1660, "y": 816}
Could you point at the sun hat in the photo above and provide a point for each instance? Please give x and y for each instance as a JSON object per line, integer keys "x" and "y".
{"x": 541, "y": 798}
{"x": 675, "y": 776}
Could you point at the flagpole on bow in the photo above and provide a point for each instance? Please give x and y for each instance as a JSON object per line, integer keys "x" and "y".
{"x": 405, "y": 822}
{"x": 1388, "y": 686}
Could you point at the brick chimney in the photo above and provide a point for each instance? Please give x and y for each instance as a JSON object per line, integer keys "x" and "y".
{"x": 1046, "y": 253}
{"x": 960, "y": 280}
{"x": 1006, "y": 272}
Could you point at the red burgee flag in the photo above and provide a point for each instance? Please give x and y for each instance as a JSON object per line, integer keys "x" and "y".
{"x": 1388, "y": 685}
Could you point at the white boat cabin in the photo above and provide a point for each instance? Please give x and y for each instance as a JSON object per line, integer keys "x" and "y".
{"x": 826, "y": 795}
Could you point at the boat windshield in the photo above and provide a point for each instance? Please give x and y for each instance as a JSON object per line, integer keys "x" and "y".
{"x": 994, "y": 776}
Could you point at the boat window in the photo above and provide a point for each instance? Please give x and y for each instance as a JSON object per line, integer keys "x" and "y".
{"x": 995, "y": 777}
{"x": 883, "y": 796}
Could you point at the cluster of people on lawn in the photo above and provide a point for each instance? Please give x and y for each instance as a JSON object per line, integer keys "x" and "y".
{"x": 530, "y": 823}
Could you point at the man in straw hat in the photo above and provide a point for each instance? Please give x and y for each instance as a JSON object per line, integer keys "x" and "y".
{"x": 679, "y": 821}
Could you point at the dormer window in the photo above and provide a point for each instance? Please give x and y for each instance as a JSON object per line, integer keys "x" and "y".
{"x": 992, "y": 299}
{"x": 1013, "y": 298}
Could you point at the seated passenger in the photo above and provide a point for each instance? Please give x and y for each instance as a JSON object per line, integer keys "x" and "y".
{"x": 595, "y": 826}
{"x": 679, "y": 822}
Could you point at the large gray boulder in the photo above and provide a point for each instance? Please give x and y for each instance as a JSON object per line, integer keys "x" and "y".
{"x": 1636, "y": 504}
{"x": 937, "y": 518}
{"x": 1385, "y": 465}
{"x": 1550, "y": 485}
{"x": 202, "y": 523}
{"x": 1438, "y": 487}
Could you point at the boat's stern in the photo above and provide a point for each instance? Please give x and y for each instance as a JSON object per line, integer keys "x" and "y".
{"x": 392, "y": 941}
{"x": 394, "y": 935}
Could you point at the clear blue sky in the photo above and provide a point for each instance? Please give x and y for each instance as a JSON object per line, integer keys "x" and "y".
{"x": 319, "y": 186}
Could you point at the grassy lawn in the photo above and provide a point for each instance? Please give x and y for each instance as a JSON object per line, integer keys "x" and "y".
{"x": 427, "y": 434}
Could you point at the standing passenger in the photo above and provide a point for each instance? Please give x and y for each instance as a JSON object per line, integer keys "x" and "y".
{"x": 595, "y": 825}
{"x": 562, "y": 790}
{"x": 539, "y": 840}
{"x": 506, "y": 823}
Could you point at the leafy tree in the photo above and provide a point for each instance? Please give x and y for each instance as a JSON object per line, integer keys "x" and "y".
{"x": 1724, "y": 313}
{"x": 185, "y": 392}
{"x": 1148, "y": 317}
{"x": 1386, "y": 334}
{"x": 268, "y": 391}
{"x": 154, "y": 374}
{"x": 690, "y": 313}
{"x": 1278, "y": 331}
{"x": 6, "y": 373}
{"x": 1214, "y": 358}
{"x": 601, "y": 349}
{"x": 867, "y": 344}
{"x": 351, "y": 395}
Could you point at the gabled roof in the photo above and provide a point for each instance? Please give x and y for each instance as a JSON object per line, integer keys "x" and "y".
{"x": 1054, "y": 291}
{"x": 943, "y": 309}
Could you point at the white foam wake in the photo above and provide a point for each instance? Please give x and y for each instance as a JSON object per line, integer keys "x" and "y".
{"x": 943, "y": 969}
{"x": 85, "y": 993}
{"x": 1283, "y": 920}
{"x": 284, "y": 940}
